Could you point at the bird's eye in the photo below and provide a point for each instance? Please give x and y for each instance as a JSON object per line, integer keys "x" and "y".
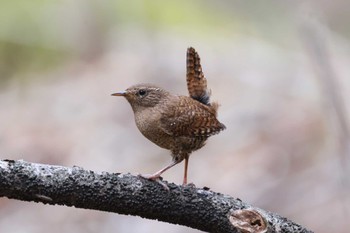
{"x": 141, "y": 92}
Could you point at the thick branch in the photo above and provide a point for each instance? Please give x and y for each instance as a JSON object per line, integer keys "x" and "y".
{"x": 126, "y": 194}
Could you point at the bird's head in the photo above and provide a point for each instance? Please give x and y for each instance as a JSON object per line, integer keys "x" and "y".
{"x": 141, "y": 96}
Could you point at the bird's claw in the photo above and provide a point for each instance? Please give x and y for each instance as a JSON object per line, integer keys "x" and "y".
{"x": 156, "y": 178}
{"x": 191, "y": 185}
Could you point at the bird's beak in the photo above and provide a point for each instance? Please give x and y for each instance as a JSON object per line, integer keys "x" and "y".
{"x": 121, "y": 93}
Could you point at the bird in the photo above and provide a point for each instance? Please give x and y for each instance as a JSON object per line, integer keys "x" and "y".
{"x": 178, "y": 123}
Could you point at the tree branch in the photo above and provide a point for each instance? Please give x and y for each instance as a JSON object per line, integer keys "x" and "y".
{"x": 198, "y": 208}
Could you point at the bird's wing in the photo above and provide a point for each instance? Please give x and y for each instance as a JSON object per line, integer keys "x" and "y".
{"x": 196, "y": 82}
{"x": 188, "y": 118}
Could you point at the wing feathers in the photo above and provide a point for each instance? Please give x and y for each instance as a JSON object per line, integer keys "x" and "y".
{"x": 189, "y": 118}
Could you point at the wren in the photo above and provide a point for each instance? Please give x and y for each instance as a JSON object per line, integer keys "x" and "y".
{"x": 177, "y": 123}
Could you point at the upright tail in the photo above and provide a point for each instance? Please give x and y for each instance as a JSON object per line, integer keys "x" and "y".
{"x": 196, "y": 82}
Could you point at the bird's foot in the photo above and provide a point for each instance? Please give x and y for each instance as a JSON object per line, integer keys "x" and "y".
{"x": 191, "y": 185}
{"x": 155, "y": 177}
{"x": 150, "y": 176}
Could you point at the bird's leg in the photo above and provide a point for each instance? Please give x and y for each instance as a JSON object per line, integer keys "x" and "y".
{"x": 185, "y": 174}
{"x": 156, "y": 175}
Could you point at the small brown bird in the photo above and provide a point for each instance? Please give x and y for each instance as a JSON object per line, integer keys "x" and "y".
{"x": 180, "y": 124}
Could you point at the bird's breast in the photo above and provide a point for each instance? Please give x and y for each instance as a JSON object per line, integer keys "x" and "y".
{"x": 148, "y": 122}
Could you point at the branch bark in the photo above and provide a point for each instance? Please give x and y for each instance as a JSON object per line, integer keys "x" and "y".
{"x": 198, "y": 208}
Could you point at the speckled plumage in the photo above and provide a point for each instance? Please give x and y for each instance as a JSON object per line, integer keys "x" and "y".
{"x": 196, "y": 82}
{"x": 180, "y": 124}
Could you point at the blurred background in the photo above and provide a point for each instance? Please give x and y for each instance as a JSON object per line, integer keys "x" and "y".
{"x": 280, "y": 70}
